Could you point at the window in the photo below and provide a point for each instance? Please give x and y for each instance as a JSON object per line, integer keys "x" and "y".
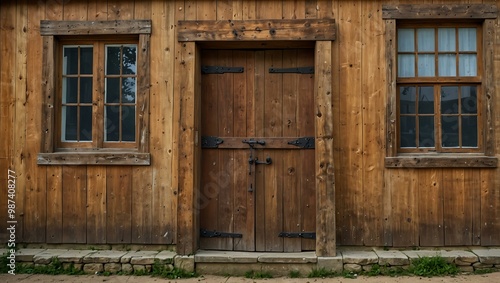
{"x": 96, "y": 93}
{"x": 114, "y": 123}
{"x": 440, "y": 84}
{"x": 439, "y": 88}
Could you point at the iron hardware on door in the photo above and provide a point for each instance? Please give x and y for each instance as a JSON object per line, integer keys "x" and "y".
{"x": 305, "y": 142}
{"x": 220, "y": 70}
{"x": 305, "y": 235}
{"x": 210, "y": 142}
{"x": 254, "y": 161}
{"x": 301, "y": 70}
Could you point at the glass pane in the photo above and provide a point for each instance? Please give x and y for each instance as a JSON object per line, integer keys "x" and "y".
{"x": 450, "y": 131}
{"x": 446, "y": 39}
{"x": 129, "y": 60}
{"x": 469, "y": 99}
{"x": 425, "y": 39}
{"x": 426, "y": 67}
{"x": 406, "y": 65}
{"x": 113, "y": 60}
{"x": 408, "y": 132}
{"x": 86, "y": 60}
{"x": 406, "y": 40}
{"x": 85, "y": 90}
{"x": 426, "y": 131}
{"x": 447, "y": 65}
{"x": 86, "y": 123}
{"x": 128, "y": 126}
{"x": 449, "y": 100}
{"x": 426, "y": 100}
{"x": 70, "y": 60}
{"x": 407, "y": 100}
{"x": 112, "y": 90}
{"x": 467, "y": 66}
{"x": 69, "y": 123}
{"x": 112, "y": 126}
{"x": 70, "y": 90}
{"x": 467, "y": 39}
{"x": 469, "y": 131}
{"x": 128, "y": 90}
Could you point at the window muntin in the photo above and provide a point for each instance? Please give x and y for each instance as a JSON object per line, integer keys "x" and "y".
{"x": 439, "y": 88}
{"x": 98, "y": 94}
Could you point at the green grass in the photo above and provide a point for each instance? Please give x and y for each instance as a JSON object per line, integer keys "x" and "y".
{"x": 162, "y": 270}
{"x": 257, "y": 274}
{"x": 321, "y": 273}
{"x": 432, "y": 266}
{"x": 55, "y": 267}
{"x": 294, "y": 274}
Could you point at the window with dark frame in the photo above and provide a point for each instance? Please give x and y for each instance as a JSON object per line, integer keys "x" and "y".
{"x": 95, "y": 91}
{"x": 438, "y": 87}
{"x": 90, "y": 118}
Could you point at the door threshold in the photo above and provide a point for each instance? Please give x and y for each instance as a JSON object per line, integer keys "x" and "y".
{"x": 214, "y": 256}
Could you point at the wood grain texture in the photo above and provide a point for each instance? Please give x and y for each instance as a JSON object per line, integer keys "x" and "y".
{"x": 438, "y": 11}
{"x": 74, "y": 205}
{"x": 118, "y": 204}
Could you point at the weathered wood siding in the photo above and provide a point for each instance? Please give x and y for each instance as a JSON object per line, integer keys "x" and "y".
{"x": 375, "y": 206}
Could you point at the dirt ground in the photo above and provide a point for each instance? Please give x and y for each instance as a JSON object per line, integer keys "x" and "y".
{"x": 487, "y": 278}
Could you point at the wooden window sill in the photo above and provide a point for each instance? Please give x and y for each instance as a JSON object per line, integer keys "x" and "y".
{"x": 442, "y": 161}
{"x": 94, "y": 158}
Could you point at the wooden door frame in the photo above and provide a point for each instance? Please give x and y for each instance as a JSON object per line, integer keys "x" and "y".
{"x": 188, "y": 88}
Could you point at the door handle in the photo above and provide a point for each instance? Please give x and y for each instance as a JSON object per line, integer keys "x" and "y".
{"x": 267, "y": 162}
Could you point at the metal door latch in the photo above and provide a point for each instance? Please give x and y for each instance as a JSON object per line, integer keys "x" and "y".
{"x": 267, "y": 162}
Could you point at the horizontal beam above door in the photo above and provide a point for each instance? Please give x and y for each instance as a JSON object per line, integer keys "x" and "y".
{"x": 260, "y": 142}
{"x": 257, "y": 30}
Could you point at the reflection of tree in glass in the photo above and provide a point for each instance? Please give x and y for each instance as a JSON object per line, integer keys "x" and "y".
{"x": 129, "y": 68}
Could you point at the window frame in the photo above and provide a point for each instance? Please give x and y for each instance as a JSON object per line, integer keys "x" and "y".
{"x": 486, "y": 15}
{"x": 54, "y": 34}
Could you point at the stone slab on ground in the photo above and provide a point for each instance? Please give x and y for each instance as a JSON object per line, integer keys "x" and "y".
{"x": 334, "y": 264}
{"x": 448, "y": 255}
{"x": 74, "y": 256}
{"x": 303, "y": 257}
{"x": 104, "y": 257}
{"x": 24, "y": 255}
{"x": 359, "y": 257}
{"x": 165, "y": 256}
{"x": 185, "y": 262}
{"x": 392, "y": 258}
{"x": 139, "y": 257}
{"x": 221, "y": 257}
{"x": 488, "y": 256}
{"x": 46, "y": 256}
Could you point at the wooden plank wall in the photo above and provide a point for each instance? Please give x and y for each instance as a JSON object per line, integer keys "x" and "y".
{"x": 120, "y": 205}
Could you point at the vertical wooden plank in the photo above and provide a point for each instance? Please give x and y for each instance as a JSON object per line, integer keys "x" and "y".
{"x": 206, "y": 10}
{"x": 457, "y": 208}
{"x": 35, "y": 213}
{"x": 325, "y": 9}
{"x": 244, "y": 209}
{"x": 74, "y": 194}
{"x": 273, "y": 121}
{"x": 294, "y": 9}
{"x": 224, "y": 9}
{"x": 430, "y": 207}
{"x": 164, "y": 187}
{"x": 472, "y": 184}
{"x": 119, "y": 204}
{"x": 373, "y": 103}
{"x": 325, "y": 171}
{"x": 53, "y": 11}
{"x": 404, "y": 200}
{"x": 272, "y": 9}
{"x": 291, "y": 170}
{"x": 8, "y": 41}
{"x": 97, "y": 11}
{"x": 226, "y": 166}
{"x": 490, "y": 207}
{"x": 188, "y": 159}
{"x": 351, "y": 119}
{"x": 97, "y": 205}
{"x": 120, "y": 10}
{"x": 311, "y": 9}
{"x": 305, "y": 127}
{"x": 258, "y": 126}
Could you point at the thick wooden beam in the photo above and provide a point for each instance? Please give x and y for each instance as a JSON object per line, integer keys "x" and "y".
{"x": 325, "y": 175}
{"x": 255, "y": 30}
{"x": 441, "y": 162}
{"x": 95, "y": 27}
{"x": 93, "y": 158}
{"x": 438, "y": 11}
{"x": 189, "y": 153}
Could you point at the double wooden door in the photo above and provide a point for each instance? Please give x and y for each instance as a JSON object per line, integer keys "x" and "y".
{"x": 257, "y": 188}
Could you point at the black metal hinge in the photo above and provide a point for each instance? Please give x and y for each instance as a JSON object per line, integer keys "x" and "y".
{"x": 220, "y": 70}
{"x": 300, "y": 70}
{"x": 305, "y": 235}
{"x": 210, "y": 142}
{"x": 305, "y": 142}
{"x": 215, "y": 234}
